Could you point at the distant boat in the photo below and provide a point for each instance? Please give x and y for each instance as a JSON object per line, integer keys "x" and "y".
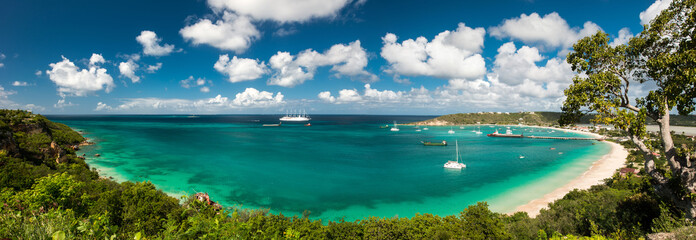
{"x": 443, "y": 143}
{"x": 521, "y": 156}
{"x": 308, "y": 124}
{"x": 461, "y": 127}
{"x": 508, "y": 134}
{"x": 425, "y": 129}
{"x": 272, "y": 125}
{"x": 395, "y": 128}
{"x": 450, "y": 131}
{"x": 385, "y": 126}
{"x": 455, "y": 164}
{"x": 295, "y": 117}
{"x": 418, "y": 130}
{"x": 479, "y": 130}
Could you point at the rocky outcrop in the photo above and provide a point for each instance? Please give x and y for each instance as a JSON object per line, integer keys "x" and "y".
{"x": 205, "y": 198}
{"x": 7, "y": 143}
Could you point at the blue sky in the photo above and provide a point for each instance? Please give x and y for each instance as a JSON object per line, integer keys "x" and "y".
{"x": 324, "y": 56}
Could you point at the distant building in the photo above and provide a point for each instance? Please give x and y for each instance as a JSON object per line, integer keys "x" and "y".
{"x": 625, "y": 171}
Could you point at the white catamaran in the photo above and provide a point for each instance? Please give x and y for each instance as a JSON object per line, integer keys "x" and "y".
{"x": 395, "y": 128}
{"x": 455, "y": 164}
{"x": 295, "y": 117}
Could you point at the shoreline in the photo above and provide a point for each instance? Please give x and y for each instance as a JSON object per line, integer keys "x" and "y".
{"x": 603, "y": 168}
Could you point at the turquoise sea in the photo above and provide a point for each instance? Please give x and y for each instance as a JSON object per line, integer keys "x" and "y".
{"x": 341, "y": 166}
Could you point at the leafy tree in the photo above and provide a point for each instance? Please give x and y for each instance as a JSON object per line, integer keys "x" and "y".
{"x": 480, "y": 223}
{"x": 58, "y": 190}
{"x": 145, "y": 208}
{"x": 663, "y": 55}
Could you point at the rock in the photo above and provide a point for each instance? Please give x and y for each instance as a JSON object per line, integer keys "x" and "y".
{"x": 660, "y": 236}
{"x": 205, "y": 198}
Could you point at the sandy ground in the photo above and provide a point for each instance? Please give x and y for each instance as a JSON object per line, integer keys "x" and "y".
{"x": 601, "y": 169}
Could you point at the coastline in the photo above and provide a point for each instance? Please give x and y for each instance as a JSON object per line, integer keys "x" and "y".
{"x": 601, "y": 169}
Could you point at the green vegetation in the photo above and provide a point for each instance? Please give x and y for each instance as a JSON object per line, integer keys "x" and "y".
{"x": 533, "y": 118}
{"x": 44, "y": 198}
{"x": 539, "y": 119}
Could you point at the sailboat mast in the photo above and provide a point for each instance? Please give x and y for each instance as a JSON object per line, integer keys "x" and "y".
{"x": 457, "y": 149}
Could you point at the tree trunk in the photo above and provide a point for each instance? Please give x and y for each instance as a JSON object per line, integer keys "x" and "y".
{"x": 679, "y": 166}
{"x": 649, "y": 164}
{"x": 668, "y": 143}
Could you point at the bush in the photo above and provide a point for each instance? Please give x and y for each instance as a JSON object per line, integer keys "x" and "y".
{"x": 54, "y": 191}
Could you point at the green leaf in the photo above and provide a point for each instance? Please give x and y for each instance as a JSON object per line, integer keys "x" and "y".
{"x": 58, "y": 235}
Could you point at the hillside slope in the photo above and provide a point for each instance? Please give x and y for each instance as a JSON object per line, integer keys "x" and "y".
{"x": 527, "y": 118}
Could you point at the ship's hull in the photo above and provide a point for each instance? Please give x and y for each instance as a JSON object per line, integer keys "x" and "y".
{"x": 435, "y": 143}
{"x": 454, "y": 165}
{"x": 294, "y": 119}
{"x": 506, "y": 135}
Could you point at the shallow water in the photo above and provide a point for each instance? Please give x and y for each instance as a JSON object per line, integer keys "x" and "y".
{"x": 341, "y": 166}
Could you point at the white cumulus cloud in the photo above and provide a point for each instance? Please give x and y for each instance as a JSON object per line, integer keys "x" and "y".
{"x": 326, "y": 96}
{"x": 240, "y": 69}
{"x": 256, "y": 98}
{"x": 369, "y": 96}
{"x": 19, "y": 84}
{"x": 71, "y": 80}
{"x": 153, "y": 68}
{"x": 513, "y": 66}
{"x": 128, "y": 69}
{"x": 6, "y": 103}
{"x": 346, "y": 60}
{"x": 96, "y": 59}
{"x": 281, "y": 10}
{"x": 654, "y": 10}
{"x": 624, "y": 36}
{"x": 348, "y": 95}
{"x": 248, "y": 99}
{"x": 451, "y": 54}
{"x": 551, "y": 30}
{"x": 192, "y": 82}
{"x": 151, "y": 44}
{"x": 102, "y": 106}
{"x": 232, "y": 32}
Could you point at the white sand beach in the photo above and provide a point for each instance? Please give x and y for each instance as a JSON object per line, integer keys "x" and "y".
{"x": 601, "y": 169}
